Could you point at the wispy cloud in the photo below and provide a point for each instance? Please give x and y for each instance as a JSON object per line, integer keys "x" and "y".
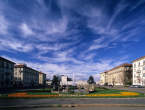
{"x": 118, "y": 9}
{"x": 11, "y": 45}
{"x": 26, "y": 30}
{"x": 140, "y": 2}
{"x": 65, "y": 36}
{"x": 3, "y": 25}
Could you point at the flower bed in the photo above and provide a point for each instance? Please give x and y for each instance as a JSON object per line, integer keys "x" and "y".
{"x": 29, "y": 95}
{"x": 26, "y": 95}
{"x": 121, "y": 94}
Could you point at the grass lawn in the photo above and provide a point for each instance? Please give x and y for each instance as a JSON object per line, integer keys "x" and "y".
{"x": 106, "y": 91}
{"x": 99, "y": 93}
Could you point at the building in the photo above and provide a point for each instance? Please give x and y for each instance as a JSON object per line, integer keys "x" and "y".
{"x": 81, "y": 83}
{"x": 25, "y": 76}
{"x": 65, "y": 80}
{"x": 42, "y": 79}
{"x": 139, "y": 71}
{"x": 48, "y": 82}
{"x": 6, "y": 73}
{"x": 103, "y": 78}
{"x": 118, "y": 76}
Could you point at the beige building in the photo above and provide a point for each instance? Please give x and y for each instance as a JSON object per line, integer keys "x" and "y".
{"x": 65, "y": 80}
{"x": 103, "y": 78}
{"x": 6, "y": 73}
{"x": 42, "y": 79}
{"x": 81, "y": 83}
{"x": 139, "y": 71}
{"x": 120, "y": 75}
{"x": 25, "y": 76}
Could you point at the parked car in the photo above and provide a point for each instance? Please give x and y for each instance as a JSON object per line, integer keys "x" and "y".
{"x": 136, "y": 86}
{"x": 140, "y": 86}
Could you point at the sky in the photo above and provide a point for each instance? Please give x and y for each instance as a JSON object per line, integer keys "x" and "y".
{"x": 80, "y": 37}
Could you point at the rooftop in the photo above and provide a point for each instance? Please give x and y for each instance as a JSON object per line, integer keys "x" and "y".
{"x": 4, "y": 59}
{"x": 122, "y": 65}
{"x": 140, "y": 58}
{"x": 24, "y": 65}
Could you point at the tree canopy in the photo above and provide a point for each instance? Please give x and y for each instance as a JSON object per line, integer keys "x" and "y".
{"x": 55, "y": 82}
{"x": 91, "y": 80}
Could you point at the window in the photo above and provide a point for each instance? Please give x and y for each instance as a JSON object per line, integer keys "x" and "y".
{"x": 1, "y": 64}
{"x": 134, "y": 65}
{"x": 144, "y": 62}
{"x": 7, "y": 65}
{"x": 139, "y": 64}
{"x": 4, "y": 64}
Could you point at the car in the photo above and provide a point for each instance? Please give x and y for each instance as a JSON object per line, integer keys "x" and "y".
{"x": 139, "y": 86}
{"x": 132, "y": 86}
{"x": 136, "y": 86}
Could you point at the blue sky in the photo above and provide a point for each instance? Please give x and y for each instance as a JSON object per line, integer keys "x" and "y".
{"x": 84, "y": 37}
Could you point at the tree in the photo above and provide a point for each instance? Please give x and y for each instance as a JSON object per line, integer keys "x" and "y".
{"x": 91, "y": 83}
{"x": 91, "y": 80}
{"x": 55, "y": 83}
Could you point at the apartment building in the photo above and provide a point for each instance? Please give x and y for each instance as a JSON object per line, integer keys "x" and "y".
{"x": 25, "y": 76}
{"x": 118, "y": 76}
{"x": 42, "y": 79}
{"x": 103, "y": 78}
{"x": 65, "y": 80}
{"x": 6, "y": 73}
{"x": 81, "y": 83}
{"x": 139, "y": 71}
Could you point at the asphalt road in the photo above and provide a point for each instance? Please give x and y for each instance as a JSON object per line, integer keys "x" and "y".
{"x": 93, "y": 108}
{"x": 24, "y": 102}
{"x": 85, "y": 108}
{"x": 141, "y": 90}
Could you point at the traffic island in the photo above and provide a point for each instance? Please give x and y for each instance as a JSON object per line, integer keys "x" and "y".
{"x": 99, "y": 93}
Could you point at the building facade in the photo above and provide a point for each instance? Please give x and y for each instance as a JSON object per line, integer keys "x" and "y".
{"x": 42, "y": 79}
{"x": 48, "y": 82}
{"x": 139, "y": 71}
{"x": 103, "y": 78}
{"x": 6, "y": 73}
{"x": 64, "y": 80}
{"x": 25, "y": 76}
{"x": 118, "y": 76}
{"x": 81, "y": 83}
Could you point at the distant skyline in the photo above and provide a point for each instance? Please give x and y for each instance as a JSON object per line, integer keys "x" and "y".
{"x": 85, "y": 37}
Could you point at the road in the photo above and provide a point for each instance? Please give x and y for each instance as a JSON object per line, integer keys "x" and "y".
{"x": 24, "y": 102}
{"x": 88, "y": 108}
{"x": 141, "y": 90}
{"x": 43, "y": 104}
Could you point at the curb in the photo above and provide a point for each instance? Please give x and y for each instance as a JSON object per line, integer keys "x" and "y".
{"x": 73, "y": 105}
